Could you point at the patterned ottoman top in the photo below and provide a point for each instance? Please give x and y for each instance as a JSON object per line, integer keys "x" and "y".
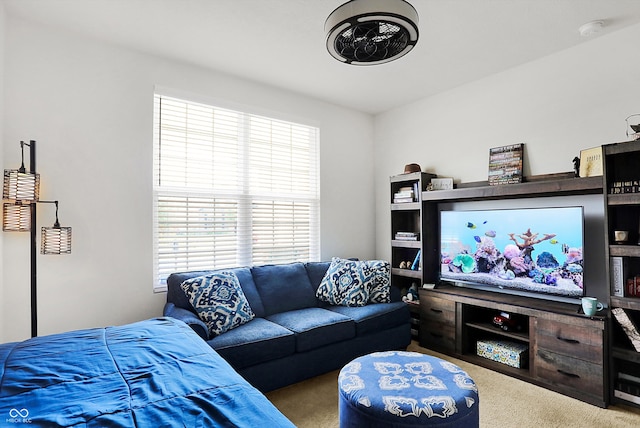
{"x": 410, "y": 385}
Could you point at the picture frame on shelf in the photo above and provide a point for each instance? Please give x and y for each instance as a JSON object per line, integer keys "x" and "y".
{"x": 441, "y": 184}
{"x": 591, "y": 162}
{"x": 506, "y": 164}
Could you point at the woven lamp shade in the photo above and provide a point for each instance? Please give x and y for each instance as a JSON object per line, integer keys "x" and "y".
{"x": 20, "y": 186}
{"x": 16, "y": 217}
{"x": 55, "y": 240}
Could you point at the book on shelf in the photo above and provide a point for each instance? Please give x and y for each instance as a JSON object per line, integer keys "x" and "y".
{"x": 628, "y": 377}
{"x": 619, "y": 187}
{"x": 629, "y": 327}
{"x": 416, "y": 261}
{"x": 628, "y": 386}
{"x": 407, "y": 236}
{"x": 632, "y": 287}
{"x": 618, "y": 275}
{"x": 402, "y": 200}
{"x": 404, "y": 195}
{"x": 626, "y": 396}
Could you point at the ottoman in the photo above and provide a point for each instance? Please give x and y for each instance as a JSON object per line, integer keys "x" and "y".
{"x": 406, "y": 389}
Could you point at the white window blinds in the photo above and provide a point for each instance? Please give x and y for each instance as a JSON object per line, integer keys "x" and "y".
{"x": 231, "y": 189}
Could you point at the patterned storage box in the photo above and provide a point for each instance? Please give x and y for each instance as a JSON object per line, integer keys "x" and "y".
{"x": 510, "y": 353}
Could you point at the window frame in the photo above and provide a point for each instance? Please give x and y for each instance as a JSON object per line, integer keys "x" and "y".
{"x": 247, "y": 198}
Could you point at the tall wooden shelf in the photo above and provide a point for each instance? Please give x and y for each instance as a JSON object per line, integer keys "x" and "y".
{"x": 622, "y": 212}
{"x": 409, "y": 217}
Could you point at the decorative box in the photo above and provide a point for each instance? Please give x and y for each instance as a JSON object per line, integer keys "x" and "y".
{"x": 510, "y": 353}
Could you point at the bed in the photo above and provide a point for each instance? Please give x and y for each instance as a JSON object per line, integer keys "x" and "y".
{"x": 153, "y": 373}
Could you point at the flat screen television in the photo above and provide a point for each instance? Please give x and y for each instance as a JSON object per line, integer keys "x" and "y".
{"x": 533, "y": 251}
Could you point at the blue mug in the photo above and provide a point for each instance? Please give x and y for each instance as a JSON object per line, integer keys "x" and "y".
{"x": 590, "y": 306}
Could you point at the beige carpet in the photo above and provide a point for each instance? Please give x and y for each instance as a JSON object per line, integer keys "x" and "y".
{"x": 505, "y": 402}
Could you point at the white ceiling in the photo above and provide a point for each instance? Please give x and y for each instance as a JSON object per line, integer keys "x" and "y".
{"x": 281, "y": 42}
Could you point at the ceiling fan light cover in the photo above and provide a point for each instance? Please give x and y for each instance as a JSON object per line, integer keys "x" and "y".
{"x": 369, "y": 32}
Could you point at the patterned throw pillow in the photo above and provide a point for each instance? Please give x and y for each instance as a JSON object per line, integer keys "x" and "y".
{"x": 380, "y": 291}
{"x": 219, "y": 301}
{"x": 346, "y": 283}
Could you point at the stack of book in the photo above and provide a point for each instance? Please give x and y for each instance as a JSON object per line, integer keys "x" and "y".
{"x": 405, "y": 194}
{"x": 632, "y": 186}
{"x": 627, "y": 387}
{"x": 407, "y": 236}
{"x": 633, "y": 287}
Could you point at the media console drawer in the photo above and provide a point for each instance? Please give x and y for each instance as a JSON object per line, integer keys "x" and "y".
{"x": 569, "y": 373}
{"x": 437, "y": 323}
{"x": 438, "y": 336}
{"x": 439, "y": 310}
{"x": 584, "y": 342}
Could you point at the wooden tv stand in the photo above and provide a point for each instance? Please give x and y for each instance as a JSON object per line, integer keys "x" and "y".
{"x": 567, "y": 350}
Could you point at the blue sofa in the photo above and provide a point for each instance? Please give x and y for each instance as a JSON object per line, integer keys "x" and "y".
{"x": 294, "y": 335}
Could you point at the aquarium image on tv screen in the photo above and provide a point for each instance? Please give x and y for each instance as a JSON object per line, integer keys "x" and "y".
{"x": 533, "y": 250}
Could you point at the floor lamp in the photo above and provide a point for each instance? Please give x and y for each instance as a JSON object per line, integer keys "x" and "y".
{"x": 22, "y": 191}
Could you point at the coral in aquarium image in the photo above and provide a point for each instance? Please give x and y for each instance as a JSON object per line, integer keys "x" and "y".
{"x": 506, "y": 251}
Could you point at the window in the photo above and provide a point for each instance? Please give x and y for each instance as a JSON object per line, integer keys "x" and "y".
{"x": 231, "y": 189}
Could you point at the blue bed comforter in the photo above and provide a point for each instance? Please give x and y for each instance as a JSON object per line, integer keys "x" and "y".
{"x": 154, "y": 373}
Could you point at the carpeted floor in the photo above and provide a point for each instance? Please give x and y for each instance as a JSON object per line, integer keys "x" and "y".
{"x": 505, "y": 402}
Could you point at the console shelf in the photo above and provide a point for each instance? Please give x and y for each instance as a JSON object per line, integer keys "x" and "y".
{"x": 538, "y": 186}
{"x": 566, "y": 349}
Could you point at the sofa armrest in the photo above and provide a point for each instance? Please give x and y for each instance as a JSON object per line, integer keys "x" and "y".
{"x": 188, "y": 317}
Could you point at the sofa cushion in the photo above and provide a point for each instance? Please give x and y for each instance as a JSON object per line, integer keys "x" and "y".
{"x": 255, "y": 342}
{"x": 176, "y": 295}
{"x": 375, "y": 317}
{"x": 219, "y": 301}
{"x": 316, "y": 271}
{"x": 315, "y": 327}
{"x": 380, "y": 291}
{"x": 283, "y": 287}
{"x": 346, "y": 282}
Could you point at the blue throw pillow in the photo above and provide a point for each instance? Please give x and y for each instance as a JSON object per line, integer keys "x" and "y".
{"x": 346, "y": 283}
{"x": 219, "y": 301}
{"x": 380, "y": 291}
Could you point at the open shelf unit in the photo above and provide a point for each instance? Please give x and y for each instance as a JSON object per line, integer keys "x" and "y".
{"x": 622, "y": 211}
{"x": 409, "y": 226}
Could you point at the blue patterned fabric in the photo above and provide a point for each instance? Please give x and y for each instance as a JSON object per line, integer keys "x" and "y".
{"x": 346, "y": 283}
{"x": 219, "y": 301}
{"x": 401, "y": 389}
{"x": 380, "y": 291}
{"x": 355, "y": 283}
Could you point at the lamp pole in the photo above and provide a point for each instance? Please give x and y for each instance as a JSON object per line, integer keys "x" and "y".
{"x": 34, "y": 276}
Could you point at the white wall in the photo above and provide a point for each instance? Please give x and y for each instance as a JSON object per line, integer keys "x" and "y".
{"x": 89, "y": 105}
{"x": 2, "y": 27}
{"x": 558, "y": 105}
